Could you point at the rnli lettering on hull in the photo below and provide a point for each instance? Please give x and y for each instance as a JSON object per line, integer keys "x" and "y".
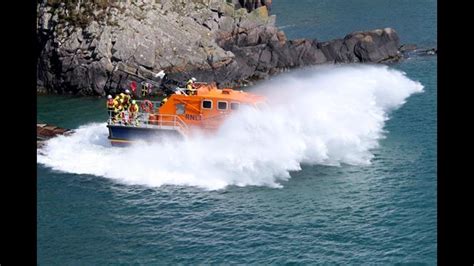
{"x": 192, "y": 117}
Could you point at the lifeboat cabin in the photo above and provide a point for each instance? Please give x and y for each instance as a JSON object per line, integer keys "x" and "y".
{"x": 205, "y": 110}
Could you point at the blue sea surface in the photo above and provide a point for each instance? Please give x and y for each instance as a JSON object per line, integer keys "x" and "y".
{"x": 384, "y": 213}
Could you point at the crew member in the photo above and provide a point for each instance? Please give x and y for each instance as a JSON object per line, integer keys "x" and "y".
{"x": 121, "y": 96}
{"x": 133, "y": 113}
{"x": 126, "y": 99}
{"x": 119, "y": 111}
{"x": 190, "y": 86}
{"x": 110, "y": 106}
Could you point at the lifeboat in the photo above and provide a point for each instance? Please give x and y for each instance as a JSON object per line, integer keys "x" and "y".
{"x": 178, "y": 116}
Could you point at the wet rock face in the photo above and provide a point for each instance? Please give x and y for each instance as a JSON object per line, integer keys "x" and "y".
{"x": 264, "y": 50}
{"x": 230, "y": 42}
{"x": 252, "y": 4}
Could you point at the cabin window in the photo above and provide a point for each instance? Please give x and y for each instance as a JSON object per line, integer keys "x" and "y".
{"x": 234, "y": 106}
{"x": 207, "y": 104}
{"x": 222, "y": 105}
{"x": 180, "y": 108}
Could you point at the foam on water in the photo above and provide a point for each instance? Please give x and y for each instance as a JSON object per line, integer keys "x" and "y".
{"x": 320, "y": 115}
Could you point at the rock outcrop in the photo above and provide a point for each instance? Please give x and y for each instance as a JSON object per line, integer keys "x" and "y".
{"x": 84, "y": 43}
{"x": 45, "y": 132}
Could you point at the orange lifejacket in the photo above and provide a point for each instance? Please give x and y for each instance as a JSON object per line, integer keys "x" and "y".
{"x": 133, "y": 108}
{"x": 110, "y": 103}
{"x": 125, "y": 99}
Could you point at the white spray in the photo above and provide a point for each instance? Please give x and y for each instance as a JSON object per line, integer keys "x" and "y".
{"x": 320, "y": 115}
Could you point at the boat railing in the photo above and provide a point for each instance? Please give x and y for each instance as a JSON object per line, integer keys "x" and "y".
{"x": 148, "y": 120}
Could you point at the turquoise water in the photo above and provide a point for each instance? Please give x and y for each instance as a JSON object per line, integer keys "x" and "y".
{"x": 349, "y": 214}
{"x": 415, "y": 21}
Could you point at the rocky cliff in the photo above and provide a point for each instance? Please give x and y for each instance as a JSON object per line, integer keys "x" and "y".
{"x": 84, "y": 43}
